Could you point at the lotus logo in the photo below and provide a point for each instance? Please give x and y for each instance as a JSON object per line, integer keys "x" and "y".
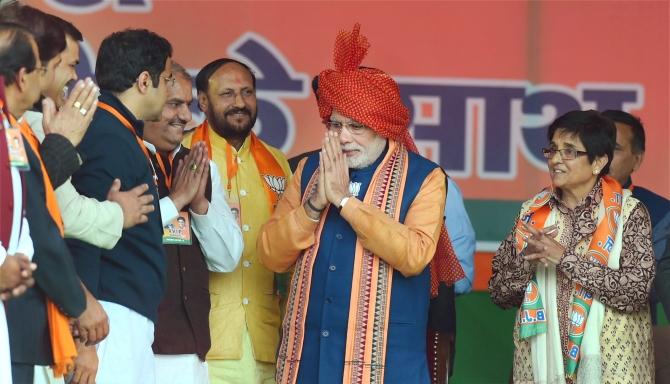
{"x": 354, "y": 188}
{"x": 276, "y": 183}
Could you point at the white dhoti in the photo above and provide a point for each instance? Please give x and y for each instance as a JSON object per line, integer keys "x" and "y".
{"x": 125, "y": 356}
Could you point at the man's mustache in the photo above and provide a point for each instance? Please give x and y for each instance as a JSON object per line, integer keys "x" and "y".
{"x": 238, "y": 110}
{"x": 178, "y": 121}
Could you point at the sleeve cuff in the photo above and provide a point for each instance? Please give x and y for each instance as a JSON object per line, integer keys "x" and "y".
{"x": 168, "y": 210}
{"x": 352, "y": 205}
{"x": 202, "y": 221}
{"x": 60, "y": 158}
{"x": 306, "y": 223}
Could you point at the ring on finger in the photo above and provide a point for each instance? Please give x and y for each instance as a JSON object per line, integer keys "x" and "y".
{"x": 194, "y": 167}
{"x": 76, "y": 104}
{"x": 83, "y": 111}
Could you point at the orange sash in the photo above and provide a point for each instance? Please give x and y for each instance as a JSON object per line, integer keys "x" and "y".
{"x": 62, "y": 343}
{"x": 272, "y": 174}
{"x": 365, "y": 349}
{"x": 601, "y": 244}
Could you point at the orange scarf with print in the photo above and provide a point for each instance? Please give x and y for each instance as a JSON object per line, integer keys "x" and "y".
{"x": 62, "y": 343}
{"x": 272, "y": 174}
{"x": 601, "y": 244}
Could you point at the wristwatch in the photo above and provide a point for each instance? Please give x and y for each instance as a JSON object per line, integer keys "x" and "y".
{"x": 342, "y": 202}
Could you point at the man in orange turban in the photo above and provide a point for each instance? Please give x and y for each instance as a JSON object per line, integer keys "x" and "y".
{"x": 361, "y": 224}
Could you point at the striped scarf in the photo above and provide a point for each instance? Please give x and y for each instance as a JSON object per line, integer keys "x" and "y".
{"x": 365, "y": 349}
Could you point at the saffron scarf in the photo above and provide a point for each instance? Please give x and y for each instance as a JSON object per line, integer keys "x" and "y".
{"x": 365, "y": 349}
{"x": 62, "y": 343}
{"x": 270, "y": 171}
{"x": 531, "y": 318}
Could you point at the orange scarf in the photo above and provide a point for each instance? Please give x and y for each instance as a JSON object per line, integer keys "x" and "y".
{"x": 268, "y": 167}
{"x": 370, "y": 300}
{"x": 599, "y": 251}
{"x": 62, "y": 343}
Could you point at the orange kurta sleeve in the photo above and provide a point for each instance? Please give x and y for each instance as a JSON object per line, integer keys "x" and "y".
{"x": 409, "y": 246}
{"x": 289, "y": 230}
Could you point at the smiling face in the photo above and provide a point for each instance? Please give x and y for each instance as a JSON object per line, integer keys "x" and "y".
{"x": 65, "y": 73}
{"x": 230, "y": 102}
{"x": 576, "y": 176}
{"x": 360, "y": 146}
{"x": 48, "y": 73}
{"x": 167, "y": 133}
{"x": 156, "y": 94}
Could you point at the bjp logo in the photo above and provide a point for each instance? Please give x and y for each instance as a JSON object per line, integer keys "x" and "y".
{"x": 532, "y": 294}
{"x": 578, "y": 319}
{"x": 276, "y": 183}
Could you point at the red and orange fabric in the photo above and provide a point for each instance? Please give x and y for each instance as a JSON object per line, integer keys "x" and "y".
{"x": 371, "y": 97}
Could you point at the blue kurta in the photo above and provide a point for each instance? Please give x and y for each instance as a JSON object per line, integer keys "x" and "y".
{"x": 323, "y": 350}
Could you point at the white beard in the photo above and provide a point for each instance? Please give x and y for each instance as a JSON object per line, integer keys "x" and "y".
{"x": 367, "y": 155}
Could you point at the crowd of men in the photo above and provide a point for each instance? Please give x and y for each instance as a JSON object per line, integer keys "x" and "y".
{"x": 135, "y": 252}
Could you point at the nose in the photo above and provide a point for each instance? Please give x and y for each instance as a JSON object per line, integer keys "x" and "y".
{"x": 345, "y": 136}
{"x": 239, "y": 101}
{"x": 184, "y": 113}
{"x": 555, "y": 159}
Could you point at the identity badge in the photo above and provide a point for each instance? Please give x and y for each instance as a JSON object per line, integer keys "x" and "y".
{"x": 178, "y": 231}
{"x": 15, "y": 147}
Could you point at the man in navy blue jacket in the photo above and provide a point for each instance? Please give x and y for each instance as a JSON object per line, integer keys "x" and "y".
{"x": 133, "y": 70}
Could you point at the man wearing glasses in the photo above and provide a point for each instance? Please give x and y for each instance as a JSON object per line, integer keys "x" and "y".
{"x": 359, "y": 223}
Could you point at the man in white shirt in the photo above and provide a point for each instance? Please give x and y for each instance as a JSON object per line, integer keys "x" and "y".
{"x": 200, "y": 235}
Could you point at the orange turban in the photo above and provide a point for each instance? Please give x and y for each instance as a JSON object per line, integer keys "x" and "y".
{"x": 372, "y": 97}
{"x": 367, "y": 95}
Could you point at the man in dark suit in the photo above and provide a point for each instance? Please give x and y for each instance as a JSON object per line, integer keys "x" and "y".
{"x": 133, "y": 69}
{"x": 56, "y": 279}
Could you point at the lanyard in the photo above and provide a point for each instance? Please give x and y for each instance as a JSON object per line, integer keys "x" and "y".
{"x": 231, "y": 164}
{"x": 127, "y": 124}
{"x": 161, "y": 165}
{"x": 231, "y": 167}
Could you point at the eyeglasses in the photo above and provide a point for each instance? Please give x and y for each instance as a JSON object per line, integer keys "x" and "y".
{"x": 353, "y": 128}
{"x": 42, "y": 69}
{"x": 170, "y": 80}
{"x": 566, "y": 153}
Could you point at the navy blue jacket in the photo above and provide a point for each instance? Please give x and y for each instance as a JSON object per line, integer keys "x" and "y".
{"x": 322, "y": 359}
{"x": 132, "y": 273}
{"x": 659, "y": 213}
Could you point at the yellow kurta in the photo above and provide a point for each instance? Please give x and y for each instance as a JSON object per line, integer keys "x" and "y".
{"x": 246, "y": 295}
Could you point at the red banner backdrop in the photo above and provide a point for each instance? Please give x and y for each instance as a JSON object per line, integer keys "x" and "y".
{"x": 483, "y": 78}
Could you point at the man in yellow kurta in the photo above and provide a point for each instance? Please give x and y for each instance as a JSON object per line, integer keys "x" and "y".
{"x": 244, "y": 319}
